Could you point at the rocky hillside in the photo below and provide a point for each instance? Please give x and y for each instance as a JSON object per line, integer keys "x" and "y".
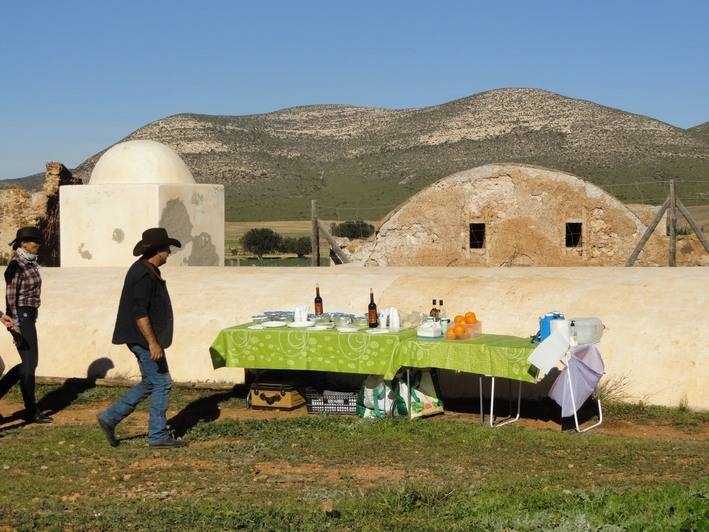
{"x": 361, "y": 162}
{"x": 700, "y": 132}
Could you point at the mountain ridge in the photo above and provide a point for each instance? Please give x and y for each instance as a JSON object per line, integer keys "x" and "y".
{"x": 363, "y": 161}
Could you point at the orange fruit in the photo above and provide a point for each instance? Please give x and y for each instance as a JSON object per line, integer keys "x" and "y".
{"x": 470, "y": 317}
{"x": 450, "y": 334}
{"x": 459, "y": 319}
{"x": 460, "y": 329}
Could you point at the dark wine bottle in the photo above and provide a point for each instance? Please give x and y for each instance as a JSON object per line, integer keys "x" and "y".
{"x": 318, "y": 301}
{"x": 372, "y": 317}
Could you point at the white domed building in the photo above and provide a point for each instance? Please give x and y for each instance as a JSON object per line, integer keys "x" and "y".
{"x": 136, "y": 185}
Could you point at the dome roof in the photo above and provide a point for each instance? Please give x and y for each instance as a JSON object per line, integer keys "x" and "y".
{"x": 140, "y": 162}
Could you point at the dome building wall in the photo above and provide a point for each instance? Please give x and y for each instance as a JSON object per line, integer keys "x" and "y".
{"x": 525, "y": 213}
{"x": 136, "y": 185}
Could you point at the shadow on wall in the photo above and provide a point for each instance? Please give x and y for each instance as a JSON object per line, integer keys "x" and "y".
{"x": 197, "y": 250}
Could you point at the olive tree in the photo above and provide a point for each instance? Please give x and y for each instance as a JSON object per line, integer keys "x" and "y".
{"x": 261, "y": 240}
{"x": 300, "y": 246}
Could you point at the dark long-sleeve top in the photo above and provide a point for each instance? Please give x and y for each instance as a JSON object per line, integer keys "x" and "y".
{"x": 144, "y": 294}
{"x": 23, "y": 285}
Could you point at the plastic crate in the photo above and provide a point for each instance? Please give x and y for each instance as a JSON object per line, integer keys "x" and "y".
{"x": 330, "y": 402}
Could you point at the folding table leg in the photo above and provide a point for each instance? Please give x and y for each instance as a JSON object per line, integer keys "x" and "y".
{"x": 573, "y": 404}
{"x": 492, "y": 405}
{"x": 408, "y": 393}
{"x": 482, "y": 411}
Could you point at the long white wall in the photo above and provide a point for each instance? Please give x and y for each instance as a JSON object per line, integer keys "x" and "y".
{"x": 657, "y": 337}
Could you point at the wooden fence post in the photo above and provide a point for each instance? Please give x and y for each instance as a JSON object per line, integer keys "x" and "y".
{"x": 671, "y": 204}
{"x": 314, "y": 235}
{"x": 648, "y": 232}
{"x": 693, "y": 224}
{"x": 333, "y": 245}
{"x": 672, "y": 221}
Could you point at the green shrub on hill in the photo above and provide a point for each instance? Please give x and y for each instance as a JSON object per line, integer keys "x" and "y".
{"x": 352, "y": 229}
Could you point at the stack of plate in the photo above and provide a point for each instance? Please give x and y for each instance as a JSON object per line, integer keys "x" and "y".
{"x": 274, "y": 323}
{"x": 300, "y": 324}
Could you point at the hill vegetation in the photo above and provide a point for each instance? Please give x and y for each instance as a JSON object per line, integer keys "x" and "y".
{"x": 700, "y": 132}
{"x": 359, "y": 163}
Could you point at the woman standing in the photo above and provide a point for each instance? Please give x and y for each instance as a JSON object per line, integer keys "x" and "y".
{"x": 22, "y": 296}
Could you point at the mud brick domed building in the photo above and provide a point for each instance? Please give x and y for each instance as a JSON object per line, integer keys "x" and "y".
{"x": 512, "y": 215}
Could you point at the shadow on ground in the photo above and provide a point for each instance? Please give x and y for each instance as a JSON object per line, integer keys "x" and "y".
{"x": 204, "y": 409}
{"x": 59, "y": 399}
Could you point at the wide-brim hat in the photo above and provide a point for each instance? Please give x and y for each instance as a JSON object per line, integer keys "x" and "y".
{"x": 29, "y": 233}
{"x": 154, "y": 238}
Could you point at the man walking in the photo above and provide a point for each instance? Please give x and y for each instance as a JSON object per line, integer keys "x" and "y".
{"x": 145, "y": 324}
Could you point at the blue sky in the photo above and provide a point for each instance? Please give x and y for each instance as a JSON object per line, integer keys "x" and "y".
{"x": 77, "y": 76}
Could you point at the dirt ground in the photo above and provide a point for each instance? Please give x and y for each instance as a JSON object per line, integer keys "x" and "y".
{"x": 81, "y": 414}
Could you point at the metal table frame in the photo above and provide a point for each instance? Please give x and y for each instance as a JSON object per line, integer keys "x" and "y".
{"x": 510, "y": 419}
{"x": 565, "y": 361}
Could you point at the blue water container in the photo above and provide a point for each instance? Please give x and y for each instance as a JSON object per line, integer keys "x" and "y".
{"x": 545, "y": 323}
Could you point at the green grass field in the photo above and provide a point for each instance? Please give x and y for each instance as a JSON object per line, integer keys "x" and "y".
{"x": 319, "y": 472}
{"x": 233, "y": 231}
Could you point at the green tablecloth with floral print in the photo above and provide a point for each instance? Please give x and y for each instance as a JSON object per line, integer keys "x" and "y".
{"x": 306, "y": 349}
{"x": 370, "y": 354}
{"x": 487, "y": 354}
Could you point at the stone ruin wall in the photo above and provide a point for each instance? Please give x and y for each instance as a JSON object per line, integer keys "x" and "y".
{"x": 19, "y": 207}
{"x": 524, "y": 223}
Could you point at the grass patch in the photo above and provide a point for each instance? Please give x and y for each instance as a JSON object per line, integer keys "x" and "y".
{"x": 642, "y": 414}
{"x": 343, "y": 473}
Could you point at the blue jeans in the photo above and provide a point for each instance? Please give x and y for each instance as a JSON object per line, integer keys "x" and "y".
{"x": 28, "y": 349}
{"x": 157, "y": 383}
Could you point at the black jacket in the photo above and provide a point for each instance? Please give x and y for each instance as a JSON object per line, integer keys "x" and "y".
{"x": 144, "y": 294}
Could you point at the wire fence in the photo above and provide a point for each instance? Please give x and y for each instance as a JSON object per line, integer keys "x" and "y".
{"x": 339, "y": 213}
{"x": 650, "y": 192}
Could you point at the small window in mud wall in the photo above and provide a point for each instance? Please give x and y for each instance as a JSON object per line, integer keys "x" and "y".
{"x": 573, "y": 234}
{"x": 477, "y": 236}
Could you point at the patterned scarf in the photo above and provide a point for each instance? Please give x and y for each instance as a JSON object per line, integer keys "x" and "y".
{"x": 29, "y": 257}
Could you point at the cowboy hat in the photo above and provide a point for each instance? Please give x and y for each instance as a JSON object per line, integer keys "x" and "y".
{"x": 24, "y": 234}
{"x": 154, "y": 238}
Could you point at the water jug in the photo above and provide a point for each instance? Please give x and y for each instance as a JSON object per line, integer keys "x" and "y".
{"x": 545, "y": 323}
{"x": 585, "y": 330}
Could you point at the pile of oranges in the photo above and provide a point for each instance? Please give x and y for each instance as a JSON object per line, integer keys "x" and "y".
{"x": 458, "y": 328}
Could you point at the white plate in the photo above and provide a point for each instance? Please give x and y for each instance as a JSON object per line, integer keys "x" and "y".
{"x": 378, "y": 331}
{"x": 301, "y": 324}
{"x": 256, "y": 327}
{"x": 274, "y": 323}
{"x": 347, "y": 329}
